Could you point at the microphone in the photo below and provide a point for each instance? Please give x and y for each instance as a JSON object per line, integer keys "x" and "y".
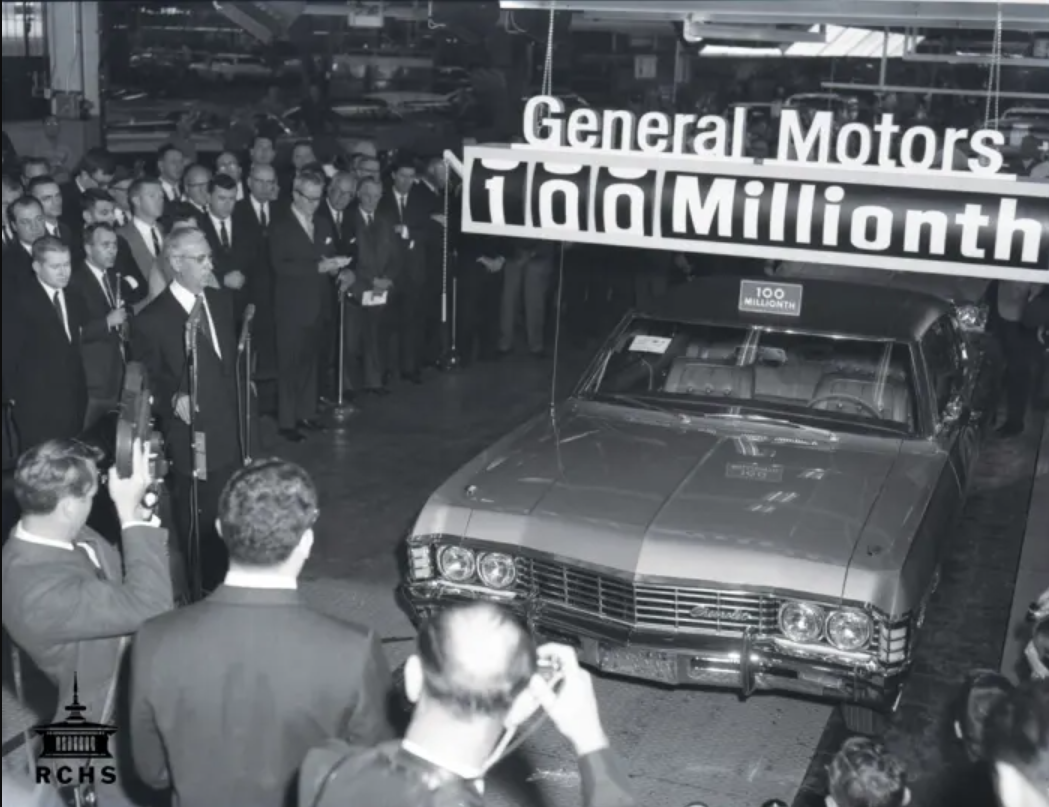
{"x": 193, "y": 325}
{"x": 245, "y": 329}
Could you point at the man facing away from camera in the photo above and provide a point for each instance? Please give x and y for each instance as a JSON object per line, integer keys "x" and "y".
{"x": 230, "y": 693}
{"x": 70, "y": 598}
{"x": 1016, "y": 744}
{"x": 475, "y": 681}
{"x": 864, "y": 774}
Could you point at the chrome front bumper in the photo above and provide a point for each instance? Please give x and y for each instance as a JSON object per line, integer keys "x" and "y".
{"x": 747, "y": 664}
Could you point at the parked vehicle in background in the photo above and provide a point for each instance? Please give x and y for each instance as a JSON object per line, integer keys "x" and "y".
{"x": 231, "y": 67}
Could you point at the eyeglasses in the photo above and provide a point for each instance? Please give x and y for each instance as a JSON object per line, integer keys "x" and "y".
{"x": 311, "y": 199}
{"x": 199, "y": 260}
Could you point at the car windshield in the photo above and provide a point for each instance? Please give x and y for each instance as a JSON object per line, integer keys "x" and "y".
{"x": 760, "y": 371}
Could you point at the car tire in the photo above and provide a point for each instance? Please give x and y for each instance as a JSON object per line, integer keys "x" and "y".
{"x": 863, "y": 720}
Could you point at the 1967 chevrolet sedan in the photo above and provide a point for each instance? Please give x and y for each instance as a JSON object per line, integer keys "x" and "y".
{"x": 751, "y": 487}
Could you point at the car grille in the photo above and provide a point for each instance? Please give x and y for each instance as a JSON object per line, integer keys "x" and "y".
{"x": 658, "y": 607}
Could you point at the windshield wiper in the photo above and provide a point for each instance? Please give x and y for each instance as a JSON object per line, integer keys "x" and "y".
{"x": 827, "y": 434}
{"x": 642, "y": 403}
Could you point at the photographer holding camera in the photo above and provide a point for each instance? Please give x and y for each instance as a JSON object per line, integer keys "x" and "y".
{"x": 70, "y": 599}
{"x": 476, "y": 679}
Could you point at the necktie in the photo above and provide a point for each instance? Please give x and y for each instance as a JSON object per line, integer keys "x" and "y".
{"x": 367, "y": 219}
{"x": 205, "y": 323}
{"x": 108, "y": 288}
{"x": 56, "y": 301}
{"x": 338, "y": 219}
{"x": 224, "y": 235}
{"x": 400, "y": 206}
{"x": 156, "y": 241}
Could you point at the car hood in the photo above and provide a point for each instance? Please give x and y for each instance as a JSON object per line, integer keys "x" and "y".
{"x": 761, "y": 506}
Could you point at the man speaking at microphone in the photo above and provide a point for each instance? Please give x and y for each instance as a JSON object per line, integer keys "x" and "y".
{"x": 194, "y": 315}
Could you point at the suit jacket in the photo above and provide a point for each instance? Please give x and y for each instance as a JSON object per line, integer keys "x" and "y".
{"x": 141, "y": 256}
{"x": 72, "y": 205}
{"x": 42, "y": 367}
{"x": 69, "y": 618}
{"x": 229, "y": 695}
{"x": 416, "y": 216}
{"x": 257, "y": 266}
{"x": 345, "y": 231}
{"x": 302, "y": 294}
{"x": 375, "y": 252}
{"x": 102, "y": 348}
{"x": 158, "y": 340}
{"x": 366, "y": 777}
{"x": 241, "y": 255}
{"x": 17, "y": 271}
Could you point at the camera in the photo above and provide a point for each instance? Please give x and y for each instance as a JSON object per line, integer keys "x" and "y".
{"x": 115, "y": 433}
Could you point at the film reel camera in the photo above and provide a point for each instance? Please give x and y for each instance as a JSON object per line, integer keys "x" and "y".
{"x": 115, "y": 434}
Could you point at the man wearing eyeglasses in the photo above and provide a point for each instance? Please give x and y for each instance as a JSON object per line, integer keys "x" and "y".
{"x": 203, "y": 439}
{"x": 303, "y": 251}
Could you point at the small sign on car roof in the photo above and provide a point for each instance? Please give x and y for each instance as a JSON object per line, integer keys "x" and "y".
{"x": 764, "y": 297}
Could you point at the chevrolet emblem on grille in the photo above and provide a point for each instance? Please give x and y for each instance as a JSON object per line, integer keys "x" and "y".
{"x": 720, "y": 614}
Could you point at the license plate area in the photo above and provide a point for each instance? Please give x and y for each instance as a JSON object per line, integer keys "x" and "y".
{"x": 648, "y": 665}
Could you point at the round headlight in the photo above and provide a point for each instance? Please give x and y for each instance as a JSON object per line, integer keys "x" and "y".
{"x": 456, "y": 563}
{"x": 801, "y": 621}
{"x": 496, "y": 570}
{"x": 849, "y": 630}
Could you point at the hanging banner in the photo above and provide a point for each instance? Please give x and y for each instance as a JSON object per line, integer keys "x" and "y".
{"x": 973, "y": 223}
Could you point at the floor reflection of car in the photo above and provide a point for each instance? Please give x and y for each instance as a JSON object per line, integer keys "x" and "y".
{"x": 751, "y": 487}
{"x": 822, "y": 102}
{"x": 1032, "y": 113}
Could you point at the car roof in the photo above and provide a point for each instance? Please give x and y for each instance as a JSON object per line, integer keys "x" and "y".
{"x": 828, "y": 306}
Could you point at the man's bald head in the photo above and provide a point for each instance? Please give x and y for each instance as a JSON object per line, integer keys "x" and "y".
{"x": 476, "y": 659}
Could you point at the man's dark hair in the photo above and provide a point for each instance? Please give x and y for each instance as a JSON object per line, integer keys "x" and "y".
{"x": 864, "y": 774}
{"x": 11, "y": 183}
{"x": 452, "y": 676}
{"x": 94, "y": 196}
{"x": 403, "y": 161}
{"x": 224, "y": 181}
{"x": 97, "y": 160}
{"x": 21, "y": 203}
{"x": 264, "y": 511}
{"x": 91, "y": 229}
{"x": 39, "y": 182}
{"x": 52, "y": 471}
{"x": 1017, "y": 731}
{"x": 981, "y": 690}
{"x": 48, "y": 243}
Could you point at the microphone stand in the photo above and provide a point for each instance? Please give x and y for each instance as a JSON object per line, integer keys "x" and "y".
{"x": 452, "y": 360}
{"x": 343, "y": 409}
{"x": 193, "y": 559}
{"x": 244, "y": 380}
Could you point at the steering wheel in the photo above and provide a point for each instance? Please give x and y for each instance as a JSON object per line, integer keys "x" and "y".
{"x": 853, "y": 399}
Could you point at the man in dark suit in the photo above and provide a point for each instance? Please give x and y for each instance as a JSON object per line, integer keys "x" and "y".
{"x": 105, "y": 327}
{"x": 48, "y": 192}
{"x": 94, "y": 171}
{"x": 473, "y": 678}
{"x": 42, "y": 367}
{"x": 337, "y": 209}
{"x": 100, "y": 208}
{"x": 26, "y": 218}
{"x": 230, "y": 693}
{"x": 410, "y": 208}
{"x": 252, "y": 216}
{"x": 12, "y": 190}
{"x": 70, "y": 597}
{"x": 304, "y": 255}
{"x": 159, "y": 340}
{"x": 232, "y": 250}
{"x": 375, "y": 284}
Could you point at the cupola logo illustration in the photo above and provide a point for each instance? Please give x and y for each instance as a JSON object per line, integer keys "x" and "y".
{"x": 75, "y": 751}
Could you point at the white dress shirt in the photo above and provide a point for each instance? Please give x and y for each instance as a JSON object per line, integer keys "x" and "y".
{"x": 103, "y": 282}
{"x": 476, "y": 778}
{"x": 171, "y": 192}
{"x": 62, "y": 303}
{"x": 187, "y": 301}
{"x": 217, "y": 224}
{"x": 260, "y": 208}
{"x": 146, "y": 231}
{"x": 22, "y": 534}
{"x": 307, "y": 223}
{"x": 238, "y": 578}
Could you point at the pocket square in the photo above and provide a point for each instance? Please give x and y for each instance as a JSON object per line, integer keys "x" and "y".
{"x": 328, "y": 241}
{"x": 132, "y": 283}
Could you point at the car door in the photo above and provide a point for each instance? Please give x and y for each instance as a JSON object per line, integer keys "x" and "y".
{"x": 951, "y": 385}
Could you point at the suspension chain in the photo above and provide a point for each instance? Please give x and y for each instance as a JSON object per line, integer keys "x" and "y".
{"x": 994, "y": 78}
{"x": 548, "y": 63}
